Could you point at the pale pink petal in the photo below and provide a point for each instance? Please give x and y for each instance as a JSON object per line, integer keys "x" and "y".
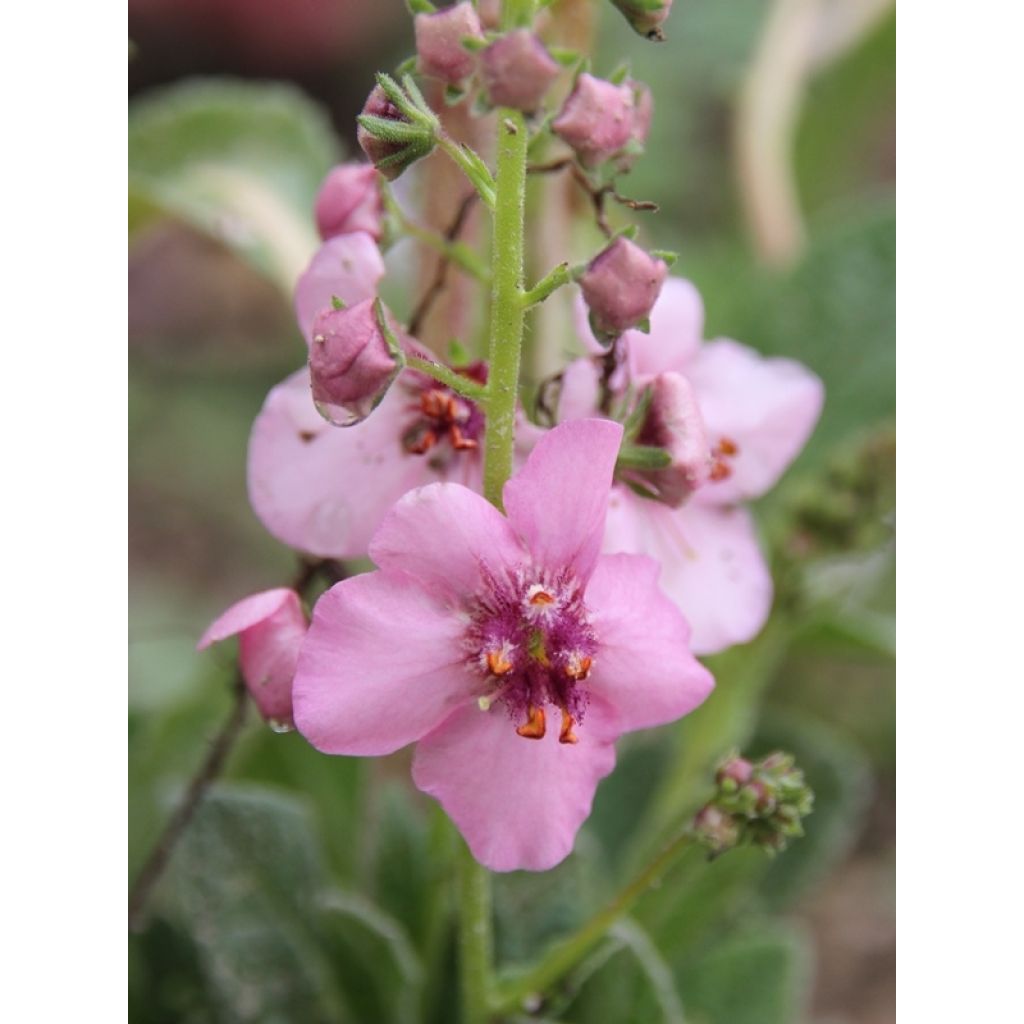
{"x": 557, "y": 501}
{"x": 448, "y": 538}
{"x": 766, "y": 407}
{"x": 324, "y": 489}
{"x": 643, "y": 667}
{"x": 580, "y": 393}
{"x": 712, "y": 566}
{"x": 347, "y": 267}
{"x": 382, "y": 665}
{"x": 518, "y": 802}
{"x": 677, "y": 325}
{"x": 271, "y": 627}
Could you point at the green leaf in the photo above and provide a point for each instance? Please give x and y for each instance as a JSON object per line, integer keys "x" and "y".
{"x": 761, "y": 977}
{"x": 241, "y": 161}
{"x": 247, "y": 878}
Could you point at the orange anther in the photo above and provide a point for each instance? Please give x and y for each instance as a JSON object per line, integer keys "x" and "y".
{"x": 727, "y": 446}
{"x": 720, "y": 471}
{"x": 460, "y": 443}
{"x": 419, "y": 443}
{"x": 434, "y": 404}
{"x": 498, "y": 664}
{"x": 541, "y": 597}
{"x": 535, "y": 726}
{"x": 578, "y": 668}
{"x": 566, "y": 735}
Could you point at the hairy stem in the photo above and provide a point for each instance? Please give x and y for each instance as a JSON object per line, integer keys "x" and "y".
{"x": 507, "y": 305}
{"x": 175, "y": 828}
{"x": 450, "y": 378}
{"x": 565, "y": 955}
{"x": 475, "y": 938}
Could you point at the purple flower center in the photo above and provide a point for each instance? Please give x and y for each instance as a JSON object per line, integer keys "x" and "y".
{"x": 531, "y": 640}
{"x": 440, "y": 415}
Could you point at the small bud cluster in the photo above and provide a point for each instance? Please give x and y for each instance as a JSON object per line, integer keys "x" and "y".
{"x": 761, "y": 802}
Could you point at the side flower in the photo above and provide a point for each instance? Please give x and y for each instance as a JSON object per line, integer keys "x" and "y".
{"x": 524, "y": 653}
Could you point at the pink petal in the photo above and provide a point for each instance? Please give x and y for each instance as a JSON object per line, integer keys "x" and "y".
{"x": 272, "y": 625}
{"x": 712, "y": 566}
{"x": 348, "y": 267}
{"x": 445, "y": 535}
{"x": 382, "y": 665}
{"x": 557, "y": 501}
{"x": 580, "y": 393}
{"x": 324, "y": 489}
{"x": 518, "y": 802}
{"x": 677, "y": 326}
{"x": 766, "y": 407}
{"x": 644, "y": 667}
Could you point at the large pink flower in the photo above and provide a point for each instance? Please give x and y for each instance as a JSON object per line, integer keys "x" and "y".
{"x": 758, "y": 413}
{"x": 509, "y": 649}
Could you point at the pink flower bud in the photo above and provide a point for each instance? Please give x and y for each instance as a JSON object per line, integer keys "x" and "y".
{"x": 352, "y": 361}
{"x": 390, "y": 140}
{"x": 736, "y": 772}
{"x": 439, "y": 42}
{"x": 270, "y": 627}
{"x": 717, "y": 829}
{"x": 518, "y": 70}
{"x": 620, "y": 288}
{"x": 597, "y": 119}
{"x": 674, "y": 424}
{"x": 349, "y": 200}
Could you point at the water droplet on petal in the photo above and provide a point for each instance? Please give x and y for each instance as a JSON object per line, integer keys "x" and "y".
{"x": 279, "y": 726}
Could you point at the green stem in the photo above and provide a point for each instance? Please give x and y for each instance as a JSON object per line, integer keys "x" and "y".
{"x": 450, "y": 378}
{"x": 507, "y": 305}
{"x": 459, "y": 253}
{"x": 552, "y": 281}
{"x": 561, "y": 958}
{"x": 475, "y": 938}
{"x": 472, "y": 166}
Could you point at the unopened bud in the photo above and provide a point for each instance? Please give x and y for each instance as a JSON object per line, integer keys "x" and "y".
{"x": 734, "y": 773}
{"x": 517, "y": 70}
{"x": 672, "y": 423}
{"x": 439, "y": 42}
{"x": 349, "y": 200}
{"x": 716, "y": 829}
{"x": 270, "y": 627}
{"x": 620, "y": 287}
{"x": 353, "y": 358}
{"x": 389, "y": 137}
{"x": 597, "y": 119}
{"x": 645, "y": 16}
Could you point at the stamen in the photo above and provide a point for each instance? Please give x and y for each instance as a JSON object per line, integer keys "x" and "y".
{"x": 720, "y": 470}
{"x": 538, "y": 596}
{"x": 578, "y": 667}
{"x": 419, "y": 442}
{"x": 566, "y": 735}
{"x": 535, "y": 726}
{"x": 459, "y": 442}
{"x": 497, "y": 663}
{"x": 726, "y": 446}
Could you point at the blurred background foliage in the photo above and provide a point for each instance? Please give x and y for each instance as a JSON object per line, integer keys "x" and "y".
{"x": 315, "y": 889}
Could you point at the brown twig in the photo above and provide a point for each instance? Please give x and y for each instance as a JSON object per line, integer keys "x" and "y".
{"x": 436, "y": 286}
{"x": 208, "y": 772}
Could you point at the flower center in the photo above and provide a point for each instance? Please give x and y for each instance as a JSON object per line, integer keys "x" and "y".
{"x": 721, "y": 458}
{"x": 439, "y": 415}
{"x": 531, "y": 640}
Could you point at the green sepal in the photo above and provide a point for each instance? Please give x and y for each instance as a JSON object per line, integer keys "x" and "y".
{"x": 336, "y": 303}
{"x": 667, "y": 256}
{"x": 620, "y": 74}
{"x": 420, "y": 7}
{"x": 643, "y": 456}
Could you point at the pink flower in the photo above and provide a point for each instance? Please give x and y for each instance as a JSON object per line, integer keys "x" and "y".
{"x": 517, "y": 70}
{"x": 270, "y": 627}
{"x": 439, "y": 42}
{"x": 323, "y": 490}
{"x": 758, "y": 413}
{"x": 597, "y": 119}
{"x": 509, "y": 649}
{"x": 353, "y": 358}
{"x": 620, "y": 286}
{"x": 349, "y": 200}
{"x": 347, "y": 267}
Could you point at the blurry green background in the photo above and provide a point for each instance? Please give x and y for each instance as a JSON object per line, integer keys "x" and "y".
{"x": 223, "y": 172}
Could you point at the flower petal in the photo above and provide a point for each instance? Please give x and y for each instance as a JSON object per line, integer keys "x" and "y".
{"x": 712, "y": 566}
{"x": 382, "y": 665}
{"x": 518, "y": 802}
{"x": 557, "y": 501}
{"x": 324, "y": 489}
{"x": 348, "y": 267}
{"x": 766, "y": 407}
{"x": 677, "y": 326}
{"x": 272, "y": 625}
{"x": 444, "y": 534}
{"x": 580, "y": 393}
{"x": 644, "y": 667}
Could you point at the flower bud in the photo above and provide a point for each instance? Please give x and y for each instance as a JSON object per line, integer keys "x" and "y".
{"x": 349, "y": 200}
{"x": 645, "y": 16}
{"x": 353, "y": 359}
{"x": 620, "y": 287}
{"x": 517, "y": 70}
{"x": 597, "y": 119}
{"x": 270, "y": 627}
{"x": 672, "y": 424}
{"x": 439, "y": 42}
{"x": 734, "y": 773}
{"x": 389, "y": 138}
{"x": 716, "y": 829}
